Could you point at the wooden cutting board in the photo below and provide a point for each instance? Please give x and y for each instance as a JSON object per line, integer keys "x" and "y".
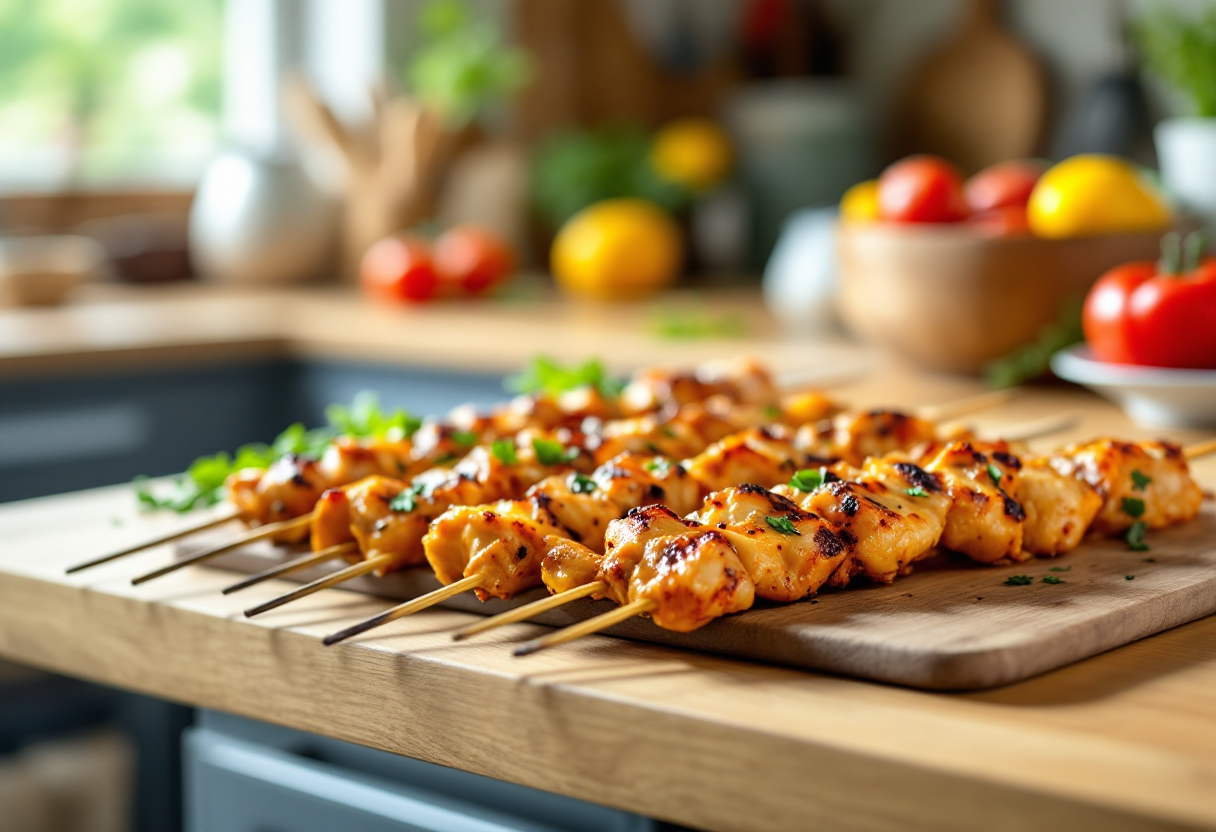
{"x": 951, "y": 625}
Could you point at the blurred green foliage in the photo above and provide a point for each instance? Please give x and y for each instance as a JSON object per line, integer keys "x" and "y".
{"x": 1181, "y": 48}
{"x": 462, "y": 64}
{"x": 1033, "y": 360}
{"x": 105, "y": 81}
{"x": 576, "y": 168}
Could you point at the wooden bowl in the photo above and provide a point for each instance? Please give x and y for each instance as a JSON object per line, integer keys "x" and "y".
{"x": 950, "y": 298}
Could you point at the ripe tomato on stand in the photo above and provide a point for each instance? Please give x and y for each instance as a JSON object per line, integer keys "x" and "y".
{"x": 1156, "y": 314}
{"x": 400, "y": 269}
{"x": 922, "y": 189}
{"x": 472, "y": 260}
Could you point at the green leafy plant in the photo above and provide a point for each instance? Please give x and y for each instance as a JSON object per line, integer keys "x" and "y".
{"x": 1034, "y": 359}
{"x": 577, "y": 168}
{"x": 546, "y": 376}
{"x": 202, "y": 484}
{"x": 1182, "y": 50}
{"x": 462, "y": 65}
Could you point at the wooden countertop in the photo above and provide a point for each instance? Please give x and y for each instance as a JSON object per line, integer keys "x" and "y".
{"x": 1123, "y": 741}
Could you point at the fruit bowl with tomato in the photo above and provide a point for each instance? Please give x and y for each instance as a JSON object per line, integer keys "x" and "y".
{"x": 1150, "y": 332}
{"x": 953, "y": 273}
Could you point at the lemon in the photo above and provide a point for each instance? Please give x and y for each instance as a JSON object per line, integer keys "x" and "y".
{"x": 1095, "y": 194}
{"x": 618, "y": 249}
{"x": 693, "y": 152}
{"x": 860, "y": 202}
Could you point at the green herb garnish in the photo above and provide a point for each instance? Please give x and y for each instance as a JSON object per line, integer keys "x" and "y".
{"x": 546, "y": 376}
{"x": 808, "y": 479}
{"x": 1149, "y": 560}
{"x": 772, "y": 412}
{"x": 202, "y": 484}
{"x": 407, "y": 500}
{"x": 504, "y": 451}
{"x": 1133, "y": 506}
{"x": 1060, "y": 569}
{"x": 1129, "y": 577}
{"x": 582, "y": 484}
{"x": 783, "y": 525}
{"x": 467, "y": 438}
{"x": 1140, "y": 481}
{"x": 659, "y": 465}
{"x": 1019, "y": 580}
{"x": 1052, "y": 579}
{"x": 550, "y": 452}
{"x": 1135, "y": 537}
{"x": 1034, "y": 359}
{"x": 916, "y": 491}
{"x": 995, "y": 473}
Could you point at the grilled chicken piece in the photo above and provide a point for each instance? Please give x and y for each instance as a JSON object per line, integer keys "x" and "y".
{"x": 1059, "y": 507}
{"x": 984, "y": 522}
{"x": 693, "y": 578}
{"x": 331, "y": 520}
{"x": 289, "y": 488}
{"x": 764, "y": 456}
{"x": 346, "y": 460}
{"x": 569, "y": 506}
{"x": 890, "y": 513}
{"x": 625, "y": 544}
{"x": 743, "y": 380}
{"x": 677, "y": 435}
{"x": 853, "y": 437}
{"x": 789, "y": 553}
{"x": 1154, "y": 473}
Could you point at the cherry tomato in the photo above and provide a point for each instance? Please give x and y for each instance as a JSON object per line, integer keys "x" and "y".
{"x": 1004, "y": 184}
{"x": 472, "y": 259}
{"x": 399, "y": 269}
{"x": 1137, "y": 315}
{"x": 921, "y": 189}
{"x": 1006, "y": 221}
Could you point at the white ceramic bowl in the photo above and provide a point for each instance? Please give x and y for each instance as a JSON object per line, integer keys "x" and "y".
{"x": 1153, "y": 396}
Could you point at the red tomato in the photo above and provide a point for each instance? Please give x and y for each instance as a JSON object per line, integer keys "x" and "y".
{"x": 1007, "y": 221}
{"x": 1134, "y": 315}
{"x": 921, "y": 189}
{"x": 472, "y": 259}
{"x": 399, "y": 269}
{"x": 1004, "y": 184}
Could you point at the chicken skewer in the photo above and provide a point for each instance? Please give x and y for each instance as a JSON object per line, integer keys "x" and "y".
{"x": 255, "y": 494}
{"x": 1156, "y": 471}
{"x": 497, "y": 549}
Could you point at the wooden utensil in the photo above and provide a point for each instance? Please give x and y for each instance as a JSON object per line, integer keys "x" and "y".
{"x": 977, "y": 99}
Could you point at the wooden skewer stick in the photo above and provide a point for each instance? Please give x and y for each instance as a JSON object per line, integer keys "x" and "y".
{"x": 408, "y": 608}
{"x": 961, "y": 407}
{"x": 1204, "y": 448}
{"x": 586, "y": 628}
{"x": 260, "y": 533}
{"x": 353, "y": 571}
{"x": 211, "y": 523}
{"x": 529, "y": 610}
{"x": 311, "y": 559}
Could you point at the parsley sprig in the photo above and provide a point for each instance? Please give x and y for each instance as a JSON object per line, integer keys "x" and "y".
{"x": 544, "y": 375}
{"x": 808, "y": 479}
{"x": 504, "y": 451}
{"x": 407, "y": 500}
{"x": 582, "y": 484}
{"x": 202, "y": 484}
{"x": 783, "y": 525}
{"x": 552, "y": 452}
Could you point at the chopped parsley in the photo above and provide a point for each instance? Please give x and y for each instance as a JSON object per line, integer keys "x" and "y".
{"x": 659, "y": 465}
{"x": 1129, "y": 577}
{"x": 466, "y": 438}
{"x": 504, "y": 451}
{"x": 202, "y": 484}
{"x": 782, "y": 524}
{"x": 1060, "y": 569}
{"x": 546, "y": 376}
{"x": 995, "y": 473}
{"x": 1140, "y": 480}
{"x": 1133, "y": 506}
{"x": 772, "y": 412}
{"x": 1019, "y": 580}
{"x": 1052, "y": 579}
{"x": 1135, "y": 537}
{"x": 668, "y": 431}
{"x": 1150, "y": 560}
{"x": 407, "y": 500}
{"x": 808, "y": 479}
{"x": 916, "y": 491}
{"x": 582, "y": 484}
{"x": 550, "y": 452}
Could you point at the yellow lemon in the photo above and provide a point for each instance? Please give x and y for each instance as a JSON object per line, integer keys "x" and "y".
{"x": 618, "y": 249}
{"x": 860, "y": 202}
{"x": 1095, "y": 194}
{"x": 693, "y": 152}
